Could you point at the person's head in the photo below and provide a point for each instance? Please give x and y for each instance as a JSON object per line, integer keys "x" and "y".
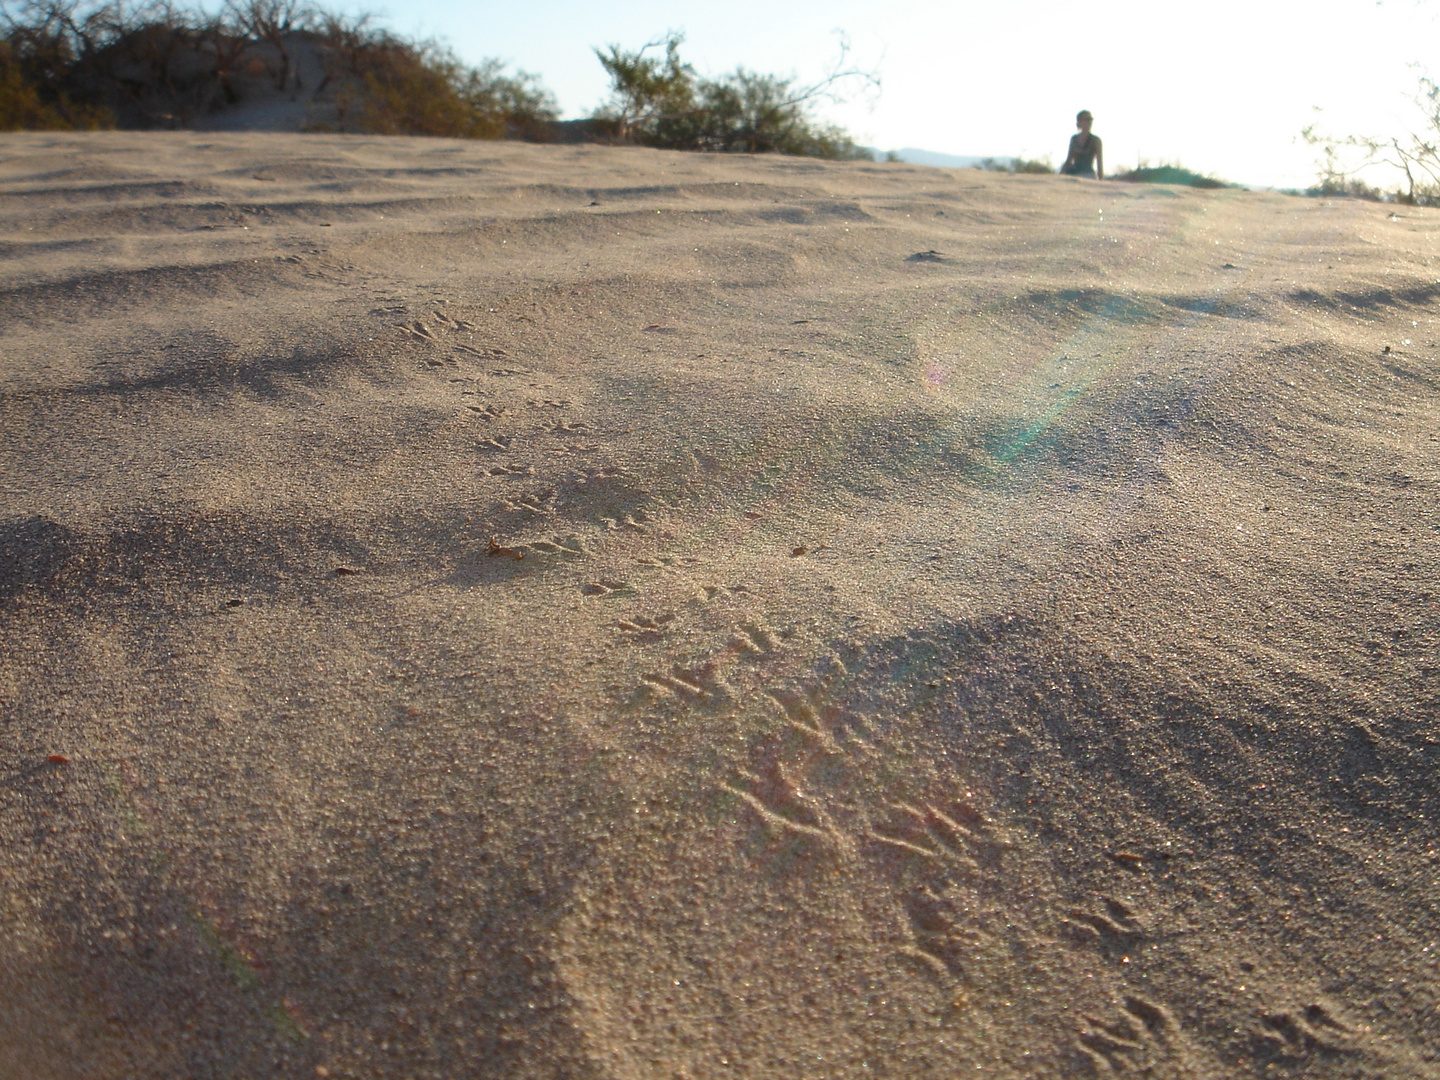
{"x": 1083, "y": 120}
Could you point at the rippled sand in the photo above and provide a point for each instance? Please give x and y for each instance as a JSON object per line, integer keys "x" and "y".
{"x": 522, "y": 611}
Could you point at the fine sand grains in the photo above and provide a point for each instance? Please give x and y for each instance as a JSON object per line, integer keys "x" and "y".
{"x": 490, "y": 610}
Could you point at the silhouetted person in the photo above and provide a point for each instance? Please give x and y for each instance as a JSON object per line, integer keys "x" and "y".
{"x": 1086, "y": 157}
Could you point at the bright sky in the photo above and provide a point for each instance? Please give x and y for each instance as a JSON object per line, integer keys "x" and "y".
{"x": 1222, "y": 87}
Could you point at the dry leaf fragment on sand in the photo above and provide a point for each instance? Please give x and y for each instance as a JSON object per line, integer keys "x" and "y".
{"x": 497, "y": 550}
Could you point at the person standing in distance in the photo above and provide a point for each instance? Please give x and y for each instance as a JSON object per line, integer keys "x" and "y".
{"x": 1086, "y": 157}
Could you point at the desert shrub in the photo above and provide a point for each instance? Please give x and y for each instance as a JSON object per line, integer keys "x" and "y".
{"x": 21, "y": 107}
{"x": 658, "y": 100}
{"x": 509, "y": 105}
{"x": 1017, "y": 165}
{"x": 397, "y": 90}
{"x": 84, "y": 63}
{"x": 275, "y": 23}
{"x": 1415, "y": 156}
{"x": 136, "y": 65}
{"x": 44, "y": 44}
{"x": 1351, "y": 187}
{"x": 31, "y": 98}
{"x": 1170, "y": 174}
{"x": 649, "y": 93}
{"x": 389, "y": 86}
{"x": 157, "y": 73}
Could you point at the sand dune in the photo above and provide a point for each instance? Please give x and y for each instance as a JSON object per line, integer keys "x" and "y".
{"x": 522, "y": 611}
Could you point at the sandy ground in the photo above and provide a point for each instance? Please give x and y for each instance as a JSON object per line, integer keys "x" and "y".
{"x": 520, "y": 611}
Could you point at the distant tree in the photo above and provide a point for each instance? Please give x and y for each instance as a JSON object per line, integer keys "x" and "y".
{"x": 1415, "y": 155}
{"x": 658, "y": 100}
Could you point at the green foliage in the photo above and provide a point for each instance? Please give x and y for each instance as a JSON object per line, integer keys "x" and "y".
{"x": 1170, "y": 174}
{"x": 658, "y": 100}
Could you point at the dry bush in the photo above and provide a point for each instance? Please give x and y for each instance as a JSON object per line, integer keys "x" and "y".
{"x": 386, "y": 85}
{"x": 1170, "y": 174}
{"x": 32, "y": 92}
{"x": 658, "y": 100}
{"x": 1415, "y": 156}
{"x": 1017, "y": 165}
{"x": 274, "y": 23}
{"x": 75, "y": 63}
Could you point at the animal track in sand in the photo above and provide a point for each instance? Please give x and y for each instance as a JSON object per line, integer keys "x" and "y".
{"x": 638, "y": 520}
{"x": 565, "y": 546}
{"x": 538, "y": 502}
{"x": 1138, "y": 1041}
{"x": 665, "y": 561}
{"x": 804, "y": 712}
{"x": 1292, "y": 1035}
{"x": 420, "y": 330}
{"x": 701, "y": 683}
{"x": 601, "y": 472}
{"x": 558, "y": 547}
{"x": 1117, "y": 931}
{"x": 936, "y": 945}
{"x": 642, "y": 626}
{"x": 710, "y": 592}
{"x": 608, "y": 590}
{"x": 825, "y": 788}
{"x": 751, "y": 637}
{"x": 776, "y": 796}
{"x": 928, "y": 832}
{"x": 452, "y": 324}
